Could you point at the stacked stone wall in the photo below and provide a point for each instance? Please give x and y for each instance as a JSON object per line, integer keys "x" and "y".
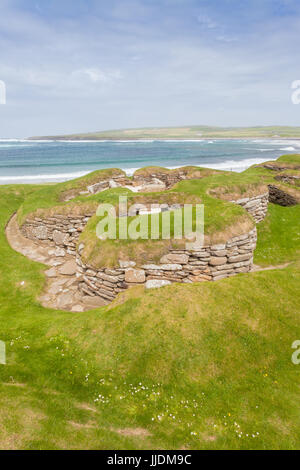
{"x": 211, "y": 263}
{"x": 256, "y": 206}
{"x": 59, "y": 230}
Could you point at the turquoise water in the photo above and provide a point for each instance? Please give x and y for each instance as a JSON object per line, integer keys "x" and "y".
{"x": 25, "y": 162}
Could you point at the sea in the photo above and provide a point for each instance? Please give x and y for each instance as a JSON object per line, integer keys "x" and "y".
{"x": 24, "y": 161}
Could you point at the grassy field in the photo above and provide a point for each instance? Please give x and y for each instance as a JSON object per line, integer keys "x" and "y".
{"x": 186, "y": 132}
{"x": 202, "y": 366}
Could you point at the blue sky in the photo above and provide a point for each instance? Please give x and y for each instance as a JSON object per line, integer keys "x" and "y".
{"x": 87, "y": 65}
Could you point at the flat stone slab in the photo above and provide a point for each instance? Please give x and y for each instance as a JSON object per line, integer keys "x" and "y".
{"x": 135, "y": 276}
{"x": 216, "y": 261}
{"x": 51, "y": 272}
{"x": 174, "y": 258}
{"x": 78, "y": 308}
{"x": 65, "y": 299}
{"x": 69, "y": 268}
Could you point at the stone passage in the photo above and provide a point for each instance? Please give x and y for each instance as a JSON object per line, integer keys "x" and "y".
{"x": 211, "y": 263}
{"x": 257, "y": 206}
{"x": 280, "y": 197}
{"x": 61, "y": 288}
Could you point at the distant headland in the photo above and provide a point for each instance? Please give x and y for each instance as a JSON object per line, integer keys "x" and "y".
{"x": 183, "y": 133}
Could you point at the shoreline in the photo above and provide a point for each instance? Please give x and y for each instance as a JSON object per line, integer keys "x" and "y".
{"x": 161, "y": 139}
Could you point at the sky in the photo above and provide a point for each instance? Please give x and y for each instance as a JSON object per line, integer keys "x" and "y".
{"x": 89, "y": 65}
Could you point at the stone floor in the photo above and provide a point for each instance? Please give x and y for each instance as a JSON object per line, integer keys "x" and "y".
{"x": 61, "y": 288}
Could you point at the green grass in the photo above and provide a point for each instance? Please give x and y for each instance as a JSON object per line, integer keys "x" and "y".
{"x": 50, "y": 196}
{"x": 210, "y": 359}
{"x": 279, "y": 236}
{"x": 290, "y": 159}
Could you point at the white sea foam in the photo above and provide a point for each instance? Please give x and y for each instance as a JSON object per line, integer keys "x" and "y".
{"x": 43, "y": 178}
{"x": 235, "y": 165}
{"x": 228, "y": 165}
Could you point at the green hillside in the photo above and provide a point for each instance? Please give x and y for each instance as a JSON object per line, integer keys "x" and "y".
{"x": 186, "y": 132}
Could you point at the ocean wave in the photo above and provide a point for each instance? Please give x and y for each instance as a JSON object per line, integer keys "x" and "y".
{"x": 235, "y": 165}
{"x": 288, "y": 149}
{"x": 279, "y": 142}
{"x": 45, "y": 177}
{"x": 19, "y": 146}
{"x": 227, "y": 165}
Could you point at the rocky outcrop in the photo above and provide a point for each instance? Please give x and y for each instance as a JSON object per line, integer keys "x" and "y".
{"x": 211, "y": 263}
{"x": 289, "y": 179}
{"x": 280, "y": 197}
{"x": 280, "y": 166}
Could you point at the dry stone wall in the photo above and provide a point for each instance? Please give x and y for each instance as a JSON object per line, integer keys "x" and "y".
{"x": 211, "y": 263}
{"x": 256, "y": 206}
{"x": 64, "y": 230}
{"x": 152, "y": 182}
{"x": 61, "y": 231}
{"x": 114, "y": 182}
{"x": 280, "y": 197}
{"x": 167, "y": 179}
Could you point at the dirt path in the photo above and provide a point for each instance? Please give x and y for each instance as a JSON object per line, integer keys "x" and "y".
{"x": 61, "y": 289}
{"x": 257, "y": 268}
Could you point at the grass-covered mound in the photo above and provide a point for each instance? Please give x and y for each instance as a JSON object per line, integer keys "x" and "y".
{"x": 222, "y": 219}
{"x": 202, "y": 366}
{"x": 189, "y": 171}
{"x": 271, "y": 173}
{"x": 68, "y": 197}
{"x": 51, "y": 197}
